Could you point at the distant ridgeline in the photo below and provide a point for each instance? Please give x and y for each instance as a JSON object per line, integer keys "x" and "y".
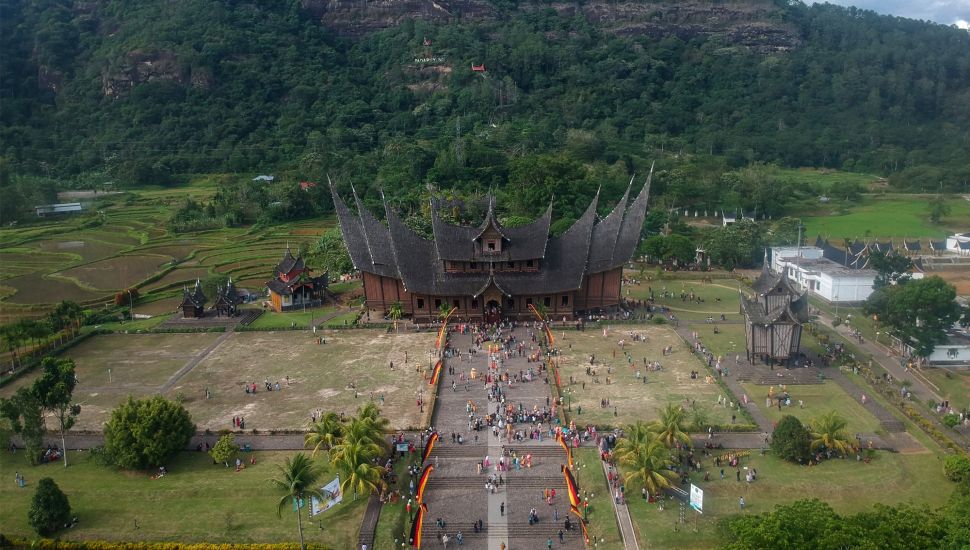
{"x": 395, "y": 92}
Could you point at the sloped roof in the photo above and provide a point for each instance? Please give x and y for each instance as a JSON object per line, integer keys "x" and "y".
{"x": 768, "y": 281}
{"x": 605, "y": 235}
{"x": 912, "y": 246}
{"x": 397, "y": 251}
{"x": 938, "y": 245}
{"x": 288, "y": 263}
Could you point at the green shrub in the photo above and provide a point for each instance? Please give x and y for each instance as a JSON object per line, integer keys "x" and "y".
{"x": 951, "y": 420}
{"x": 957, "y": 467}
{"x": 791, "y": 440}
{"x": 49, "y": 510}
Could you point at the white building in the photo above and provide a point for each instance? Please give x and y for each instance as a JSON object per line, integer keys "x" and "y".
{"x": 959, "y": 243}
{"x": 822, "y": 277}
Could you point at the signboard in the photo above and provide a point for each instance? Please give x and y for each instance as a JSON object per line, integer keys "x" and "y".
{"x": 331, "y": 494}
{"x": 696, "y": 498}
{"x": 402, "y": 447}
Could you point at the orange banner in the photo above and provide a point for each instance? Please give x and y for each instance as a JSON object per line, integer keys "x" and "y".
{"x": 428, "y": 447}
{"x": 435, "y": 373}
{"x": 423, "y": 481}
{"x": 565, "y": 445}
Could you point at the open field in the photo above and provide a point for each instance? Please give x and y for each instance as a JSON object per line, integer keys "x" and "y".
{"x": 898, "y": 217}
{"x": 848, "y": 486}
{"x": 954, "y": 384}
{"x": 818, "y": 399}
{"x": 311, "y": 376}
{"x": 196, "y": 502}
{"x": 632, "y": 399}
{"x": 716, "y": 298}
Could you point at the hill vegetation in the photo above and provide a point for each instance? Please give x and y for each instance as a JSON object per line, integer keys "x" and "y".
{"x": 574, "y": 96}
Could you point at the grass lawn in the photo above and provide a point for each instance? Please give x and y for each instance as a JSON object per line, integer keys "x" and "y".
{"x": 954, "y": 384}
{"x": 819, "y": 399}
{"x": 394, "y": 523}
{"x": 196, "y": 502}
{"x": 729, "y": 341}
{"x": 271, "y": 320}
{"x": 717, "y": 298}
{"x": 632, "y": 399}
{"x": 895, "y": 218}
{"x": 848, "y": 486}
{"x": 603, "y": 529}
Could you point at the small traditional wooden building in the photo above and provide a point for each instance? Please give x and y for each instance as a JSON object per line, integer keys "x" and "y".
{"x": 193, "y": 303}
{"x": 227, "y": 299}
{"x": 773, "y": 317}
{"x": 491, "y": 272}
{"x": 293, "y": 287}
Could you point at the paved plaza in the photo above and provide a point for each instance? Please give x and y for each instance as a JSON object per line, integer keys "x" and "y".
{"x": 457, "y": 492}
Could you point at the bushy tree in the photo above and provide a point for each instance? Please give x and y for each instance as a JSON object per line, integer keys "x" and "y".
{"x": 918, "y": 311}
{"x": 225, "y": 449}
{"x": 330, "y": 253}
{"x": 146, "y": 432}
{"x": 790, "y": 440}
{"x": 26, "y": 415}
{"x": 49, "y": 509}
{"x": 956, "y": 467}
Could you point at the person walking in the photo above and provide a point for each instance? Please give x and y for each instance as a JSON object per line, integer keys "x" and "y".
{"x": 549, "y": 543}
{"x": 561, "y": 541}
{"x": 741, "y": 503}
{"x": 501, "y": 508}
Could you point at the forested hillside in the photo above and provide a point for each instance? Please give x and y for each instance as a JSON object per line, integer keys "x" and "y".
{"x": 139, "y": 91}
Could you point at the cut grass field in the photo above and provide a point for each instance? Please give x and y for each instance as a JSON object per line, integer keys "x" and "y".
{"x": 847, "y": 485}
{"x": 897, "y": 217}
{"x": 632, "y": 399}
{"x": 321, "y": 376}
{"x": 818, "y": 399}
{"x": 196, "y": 502}
{"x": 604, "y": 533}
{"x": 717, "y": 298}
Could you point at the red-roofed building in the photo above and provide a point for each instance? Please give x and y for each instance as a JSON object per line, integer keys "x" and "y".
{"x": 293, "y": 287}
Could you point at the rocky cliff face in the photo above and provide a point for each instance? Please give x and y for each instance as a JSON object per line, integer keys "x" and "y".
{"x": 754, "y": 23}
{"x": 356, "y": 18}
{"x": 141, "y": 66}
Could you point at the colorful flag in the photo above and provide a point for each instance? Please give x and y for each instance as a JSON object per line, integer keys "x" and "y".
{"x": 572, "y": 489}
{"x": 428, "y": 446}
{"x": 423, "y": 481}
{"x": 416, "y": 526}
{"x": 435, "y": 373}
{"x": 565, "y": 445}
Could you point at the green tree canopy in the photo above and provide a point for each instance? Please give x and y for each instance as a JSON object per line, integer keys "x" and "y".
{"x": 918, "y": 311}
{"x": 54, "y": 390}
{"x": 49, "y": 509}
{"x": 225, "y": 449}
{"x": 790, "y": 440}
{"x": 146, "y": 432}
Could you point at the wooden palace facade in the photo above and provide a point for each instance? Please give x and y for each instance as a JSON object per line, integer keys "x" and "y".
{"x": 491, "y": 272}
{"x": 773, "y": 317}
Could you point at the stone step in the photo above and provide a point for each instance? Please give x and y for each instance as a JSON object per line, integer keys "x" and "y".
{"x": 523, "y": 530}
{"x": 893, "y": 426}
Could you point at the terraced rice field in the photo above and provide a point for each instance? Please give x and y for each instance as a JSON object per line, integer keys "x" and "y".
{"x": 79, "y": 259}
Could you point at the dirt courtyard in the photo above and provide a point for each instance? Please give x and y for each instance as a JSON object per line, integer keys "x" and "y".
{"x": 350, "y": 368}
{"x": 630, "y": 398}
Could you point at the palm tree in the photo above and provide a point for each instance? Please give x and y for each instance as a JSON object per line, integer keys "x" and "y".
{"x": 298, "y": 476}
{"x": 828, "y": 432}
{"x": 324, "y": 433}
{"x": 647, "y": 462}
{"x": 638, "y": 433}
{"x": 670, "y": 426}
{"x": 363, "y": 430}
{"x": 443, "y": 311}
{"x": 395, "y": 312}
{"x": 355, "y": 462}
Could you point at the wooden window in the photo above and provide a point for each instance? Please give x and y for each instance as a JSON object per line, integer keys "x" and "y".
{"x": 565, "y": 300}
{"x": 547, "y": 301}
{"x": 474, "y": 265}
{"x": 437, "y": 303}
{"x": 511, "y": 303}
{"x": 474, "y": 304}
{"x": 511, "y": 265}
{"x": 528, "y": 263}
{"x": 455, "y": 303}
{"x": 528, "y": 301}
{"x": 420, "y": 303}
{"x": 491, "y": 245}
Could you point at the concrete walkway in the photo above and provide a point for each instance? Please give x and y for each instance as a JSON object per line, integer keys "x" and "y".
{"x": 623, "y": 519}
{"x": 187, "y": 368}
